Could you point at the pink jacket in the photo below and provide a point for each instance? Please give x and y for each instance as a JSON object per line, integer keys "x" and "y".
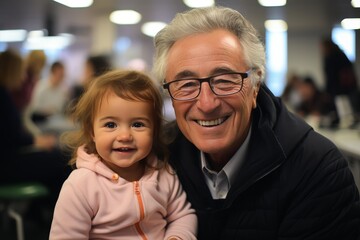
{"x": 95, "y": 203}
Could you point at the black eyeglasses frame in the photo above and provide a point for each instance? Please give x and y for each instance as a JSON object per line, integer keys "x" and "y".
{"x": 243, "y": 75}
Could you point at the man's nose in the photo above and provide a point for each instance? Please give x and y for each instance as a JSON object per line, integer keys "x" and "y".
{"x": 207, "y": 100}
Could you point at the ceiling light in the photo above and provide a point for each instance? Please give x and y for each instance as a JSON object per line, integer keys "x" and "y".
{"x": 37, "y": 33}
{"x": 355, "y": 3}
{"x": 125, "y": 17}
{"x": 49, "y": 42}
{"x": 351, "y": 23}
{"x": 152, "y": 28}
{"x": 16, "y": 35}
{"x": 75, "y": 3}
{"x": 276, "y": 25}
{"x": 272, "y": 3}
{"x": 199, "y": 3}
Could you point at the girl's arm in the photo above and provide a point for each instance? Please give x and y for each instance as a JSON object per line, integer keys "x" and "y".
{"x": 181, "y": 218}
{"x": 72, "y": 214}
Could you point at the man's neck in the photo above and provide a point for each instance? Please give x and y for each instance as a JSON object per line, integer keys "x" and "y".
{"x": 218, "y": 163}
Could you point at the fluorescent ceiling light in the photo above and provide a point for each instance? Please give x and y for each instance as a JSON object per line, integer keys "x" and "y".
{"x": 37, "y": 33}
{"x": 272, "y": 3}
{"x": 16, "y": 35}
{"x": 355, "y": 3}
{"x": 75, "y": 3}
{"x": 199, "y": 3}
{"x": 276, "y": 25}
{"x": 125, "y": 17}
{"x": 49, "y": 42}
{"x": 351, "y": 23}
{"x": 152, "y": 28}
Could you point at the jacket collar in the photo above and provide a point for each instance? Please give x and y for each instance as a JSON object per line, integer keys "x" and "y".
{"x": 276, "y": 133}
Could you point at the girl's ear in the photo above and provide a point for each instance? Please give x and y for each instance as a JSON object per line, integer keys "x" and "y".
{"x": 92, "y": 135}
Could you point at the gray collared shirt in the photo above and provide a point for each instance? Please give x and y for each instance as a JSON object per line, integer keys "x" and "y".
{"x": 219, "y": 183}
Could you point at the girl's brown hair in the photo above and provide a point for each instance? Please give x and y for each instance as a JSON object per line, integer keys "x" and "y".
{"x": 127, "y": 84}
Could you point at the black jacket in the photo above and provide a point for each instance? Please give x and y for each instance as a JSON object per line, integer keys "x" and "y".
{"x": 294, "y": 183}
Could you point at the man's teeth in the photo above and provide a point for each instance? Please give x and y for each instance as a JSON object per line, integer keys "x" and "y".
{"x": 211, "y": 122}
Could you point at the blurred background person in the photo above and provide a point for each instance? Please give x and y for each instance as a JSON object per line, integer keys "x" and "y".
{"x": 304, "y": 97}
{"x": 24, "y": 156}
{"x": 50, "y": 94}
{"x": 34, "y": 64}
{"x": 340, "y": 77}
{"x": 94, "y": 66}
{"x": 313, "y": 101}
{"x": 291, "y": 95}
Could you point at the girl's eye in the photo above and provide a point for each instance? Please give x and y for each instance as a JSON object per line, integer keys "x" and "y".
{"x": 110, "y": 125}
{"x": 138, "y": 124}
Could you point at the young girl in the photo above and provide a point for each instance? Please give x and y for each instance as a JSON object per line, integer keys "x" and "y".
{"x": 122, "y": 187}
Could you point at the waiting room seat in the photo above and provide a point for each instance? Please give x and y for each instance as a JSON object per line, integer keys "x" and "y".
{"x": 10, "y": 194}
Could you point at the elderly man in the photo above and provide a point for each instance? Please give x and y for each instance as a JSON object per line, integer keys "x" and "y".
{"x": 251, "y": 169}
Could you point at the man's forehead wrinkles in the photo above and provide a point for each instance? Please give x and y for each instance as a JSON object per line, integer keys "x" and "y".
{"x": 217, "y": 70}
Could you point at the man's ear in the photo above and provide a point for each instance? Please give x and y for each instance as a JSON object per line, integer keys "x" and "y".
{"x": 255, "y": 93}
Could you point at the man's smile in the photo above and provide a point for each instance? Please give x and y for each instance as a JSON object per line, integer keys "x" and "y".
{"x": 211, "y": 123}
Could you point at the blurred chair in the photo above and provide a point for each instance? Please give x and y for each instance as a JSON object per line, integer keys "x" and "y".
{"x": 16, "y": 193}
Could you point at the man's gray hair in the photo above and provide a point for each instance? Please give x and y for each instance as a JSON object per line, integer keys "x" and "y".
{"x": 202, "y": 20}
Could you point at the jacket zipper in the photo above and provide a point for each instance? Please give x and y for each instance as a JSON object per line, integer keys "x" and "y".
{"x": 141, "y": 209}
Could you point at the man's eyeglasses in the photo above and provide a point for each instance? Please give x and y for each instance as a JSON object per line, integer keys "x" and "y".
{"x": 222, "y": 84}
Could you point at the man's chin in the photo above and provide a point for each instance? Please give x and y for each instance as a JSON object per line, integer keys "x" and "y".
{"x": 209, "y": 146}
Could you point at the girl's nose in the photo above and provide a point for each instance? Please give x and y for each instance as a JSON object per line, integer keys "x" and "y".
{"x": 124, "y": 135}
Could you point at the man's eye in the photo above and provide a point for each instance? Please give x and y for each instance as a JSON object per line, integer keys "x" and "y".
{"x": 225, "y": 82}
{"x": 190, "y": 84}
{"x": 138, "y": 124}
{"x": 186, "y": 84}
{"x": 110, "y": 125}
